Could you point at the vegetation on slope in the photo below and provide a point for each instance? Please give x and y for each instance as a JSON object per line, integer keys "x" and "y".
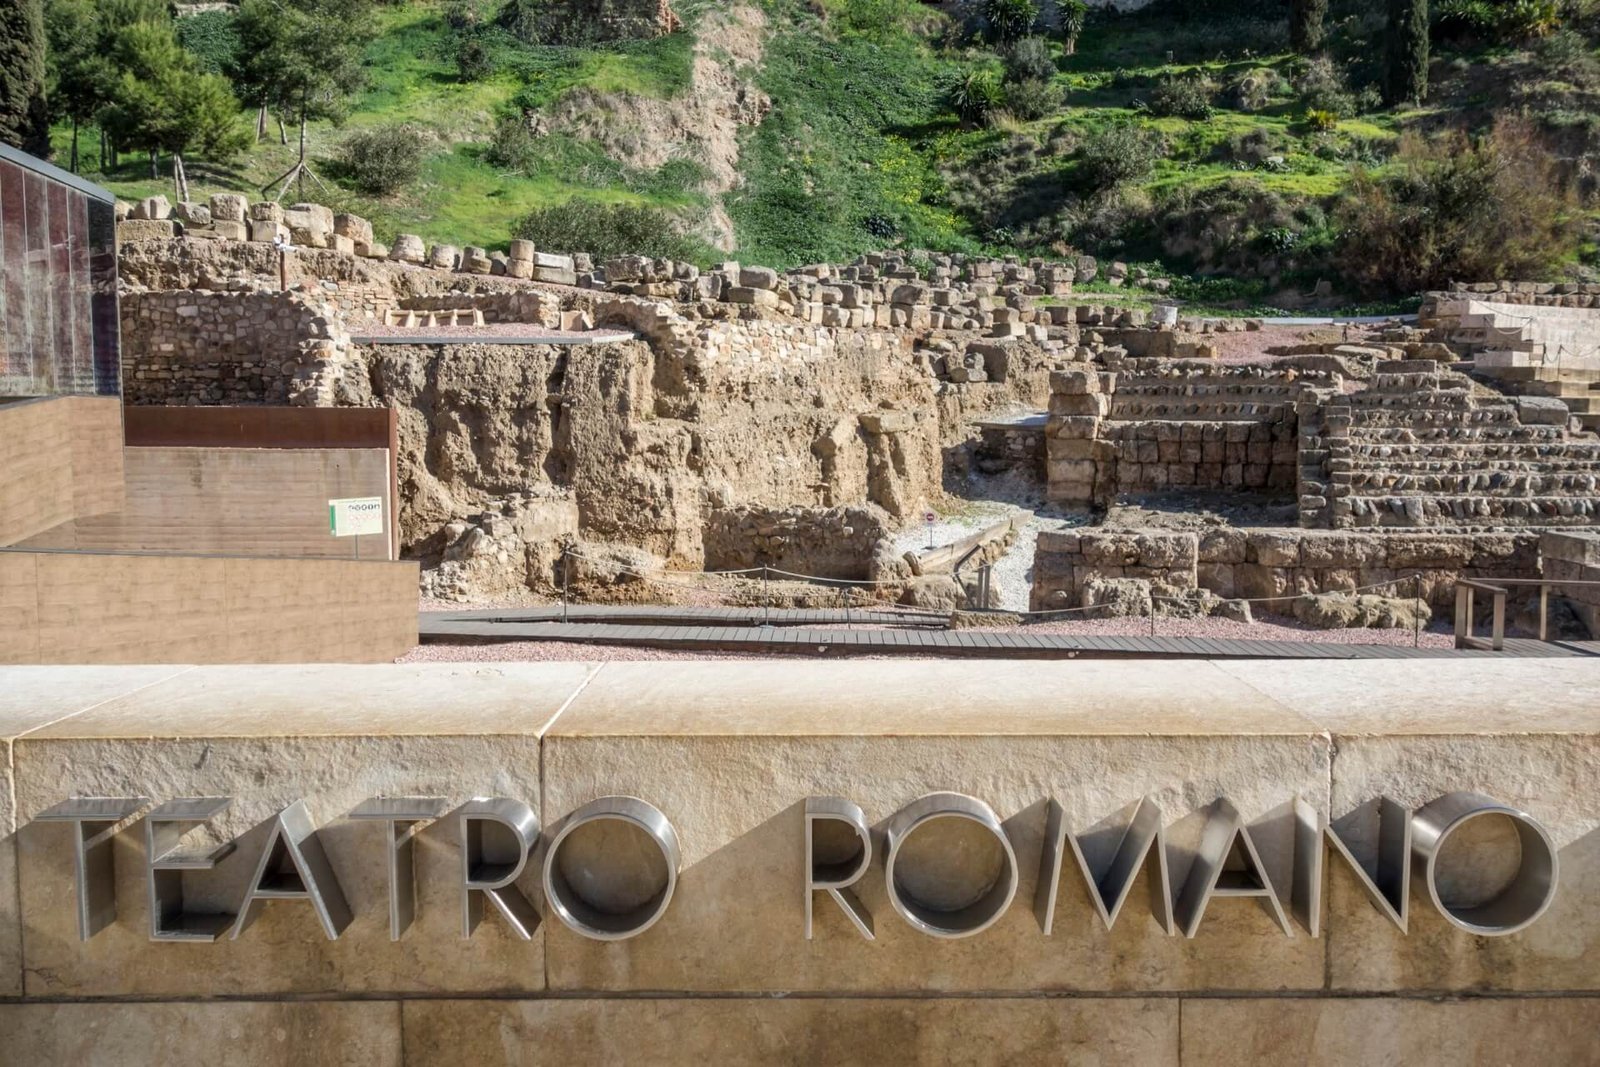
{"x": 1189, "y": 137}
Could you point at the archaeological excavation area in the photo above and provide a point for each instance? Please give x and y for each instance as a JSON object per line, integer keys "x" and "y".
{"x": 908, "y": 432}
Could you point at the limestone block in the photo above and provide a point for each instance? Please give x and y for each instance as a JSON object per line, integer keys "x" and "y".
{"x": 265, "y": 232}
{"x": 909, "y": 294}
{"x": 145, "y": 230}
{"x": 231, "y": 231}
{"x": 744, "y": 294}
{"x": 555, "y": 275}
{"x": 1328, "y": 1032}
{"x": 520, "y": 251}
{"x": 444, "y": 257}
{"x": 1274, "y": 549}
{"x": 475, "y": 260}
{"x": 229, "y": 207}
{"x": 1539, "y": 752}
{"x": 730, "y": 756}
{"x": 266, "y": 211}
{"x": 268, "y": 736}
{"x": 520, "y": 268}
{"x": 692, "y": 1033}
{"x": 546, "y": 260}
{"x": 244, "y": 1034}
{"x": 316, "y": 216}
{"x": 1074, "y": 381}
{"x": 376, "y": 250}
{"x": 408, "y": 248}
{"x": 338, "y": 242}
{"x": 354, "y": 227}
{"x": 192, "y": 214}
{"x": 758, "y": 278}
{"x": 153, "y": 208}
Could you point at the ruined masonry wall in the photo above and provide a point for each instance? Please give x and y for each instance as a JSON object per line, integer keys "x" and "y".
{"x": 1278, "y": 562}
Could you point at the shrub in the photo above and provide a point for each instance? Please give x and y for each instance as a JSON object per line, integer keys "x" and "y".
{"x": 1321, "y": 121}
{"x": 1032, "y": 99}
{"x": 1029, "y": 60}
{"x": 383, "y": 160}
{"x": 974, "y": 95}
{"x": 607, "y": 230}
{"x": 472, "y": 60}
{"x": 1322, "y": 86}
{"x": 1497, "y": 21}
{"x": 1117, "y": 155}
{"x": 1182, "y": 96}
{"x": 1458, "y": 208}
{"x": 1306, "y": 29}
{"x": 1252, "y": 90}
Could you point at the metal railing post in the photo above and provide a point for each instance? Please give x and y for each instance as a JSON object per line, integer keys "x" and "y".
{"x": 1544, "y": 612}
{"x": 766, "y": 610}
{"x": 566, "y": 572}
{"x": 1416, "y": 612}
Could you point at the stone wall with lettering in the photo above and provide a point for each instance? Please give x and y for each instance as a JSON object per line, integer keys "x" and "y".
{"x": 416, "y": 864}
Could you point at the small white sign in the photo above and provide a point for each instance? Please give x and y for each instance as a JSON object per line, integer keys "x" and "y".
{"x": 356, "y": 515}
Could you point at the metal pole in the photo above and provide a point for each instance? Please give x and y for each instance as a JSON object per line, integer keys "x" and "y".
{"x": 566, "y": 569}
{"x": 766, "y": 613}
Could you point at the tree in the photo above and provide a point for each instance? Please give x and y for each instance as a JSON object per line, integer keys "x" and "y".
{"x": 1306, "y": 31}
{"x": 163, "y": 102}
{"x": 303, "y": 59}
{"x": 1071, "y": 15}
{"x": 24, "y": 114}
{"x": 1406, "y": 74}
{"x": 1007, "y": 20}
{"x": 80, "y": 74}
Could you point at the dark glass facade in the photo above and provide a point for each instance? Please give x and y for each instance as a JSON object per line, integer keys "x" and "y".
{"x": 58, "y": 282}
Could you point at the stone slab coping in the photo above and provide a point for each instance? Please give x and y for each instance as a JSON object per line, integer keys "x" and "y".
{"x": 297, "y": 700}
{"x": 806, "y": 699}
{"x": 469, "y": 336}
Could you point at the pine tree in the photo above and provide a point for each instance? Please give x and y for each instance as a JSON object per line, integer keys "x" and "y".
{"x": 24, "y": 114}
{"x": 1406, "y": 77}
{"x": 302, "y": 58}
{"x": 1306, "y": 29}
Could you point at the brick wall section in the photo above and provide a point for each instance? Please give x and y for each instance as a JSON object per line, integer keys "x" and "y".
{"x": 1281, "y": 562}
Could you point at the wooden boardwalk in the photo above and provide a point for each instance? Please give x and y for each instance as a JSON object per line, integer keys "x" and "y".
{"x": 698, "y": 633}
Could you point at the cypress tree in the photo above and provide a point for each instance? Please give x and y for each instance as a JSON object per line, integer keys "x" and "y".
{"x": 1306, "y": 25}
{"x": 1406, "y": 78}
{"x": 24, "y": 117}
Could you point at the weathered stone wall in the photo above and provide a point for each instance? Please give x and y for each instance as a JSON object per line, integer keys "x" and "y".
{"x": 1575, "y": 558}
{"x": 1418, "y": 448}
{"x": 1261, "y": 564}
{"x": 200, "y": 347}
{"x": 729, "y": 752}
{"x": 1173, "y": 425}
{"x": 820, "y": 542}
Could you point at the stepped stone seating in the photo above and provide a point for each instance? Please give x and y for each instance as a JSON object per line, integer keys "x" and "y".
{"x": 447, "y": 317}
{"x": 1419, "y": 449}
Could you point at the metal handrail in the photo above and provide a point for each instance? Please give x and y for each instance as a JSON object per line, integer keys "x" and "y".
{"x": 1466, "y": 593}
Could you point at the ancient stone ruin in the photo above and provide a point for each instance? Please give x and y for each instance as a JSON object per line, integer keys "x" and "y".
{"x": 654, "y": 417}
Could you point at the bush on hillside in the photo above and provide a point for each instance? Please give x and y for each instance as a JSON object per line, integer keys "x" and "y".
{"x": 974, "y": 95}
{"x": 1459, "y": 209}
{"x": 1496, "y": 21}
{"x": 607, "y": 230}
{"x": 383, "y": 160}
{"x": 1117, "y": 155}
{"x": 1184, "y": 96}
{"x": 1029, "y": 60}
{"x": 1323, "y": 86}
{"x": 1032, "y": 99}
{"x": 473, "y": 62}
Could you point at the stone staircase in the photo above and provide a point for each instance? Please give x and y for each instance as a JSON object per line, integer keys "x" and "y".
{"x": 1418, "y": 449}
{"x": 1579, "y": 390}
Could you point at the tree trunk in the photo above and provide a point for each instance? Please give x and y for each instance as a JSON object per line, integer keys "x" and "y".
{"x": 180, "y": 177}
{"x": 155, "y": 164}
{"x": 283, "y": 134}
{"x": 74, "y": 167}
{"x": 302, "y": 160}
{"x": 261, "y": 123}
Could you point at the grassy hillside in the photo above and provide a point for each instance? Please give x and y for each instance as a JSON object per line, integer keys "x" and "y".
{"x": 1188, "y": 138}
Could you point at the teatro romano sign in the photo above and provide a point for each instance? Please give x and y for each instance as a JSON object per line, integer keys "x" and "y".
{"x": 500, "y": 837}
